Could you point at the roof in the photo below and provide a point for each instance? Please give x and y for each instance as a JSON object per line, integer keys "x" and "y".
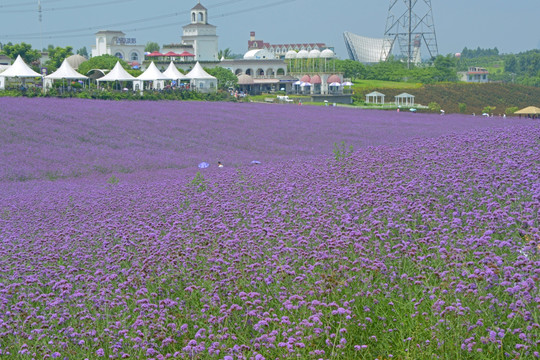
{"x": 375, "y": 93}
{"x": 198, "y": 25}
{"x": 266, "y": 81}
{"x": 20, "y": 69}
{"x": 245, "y": 80}
{"x": 198, "y": 73}
{"x": 65, "y": 71}
{"x": 528, "y": 110}
{"x": 327, "y": 53}
{"x": 152, "y": 73}
{"x": 404, "y": 95}
{"x": 110, "y": 32}
{"x": 333, "y": 78}
{"x": 199, "y": 7}
{"x": 76, "y": 60}
{"x": 173, "y": 73}
{"x": 316, "y": 79}
{"x": 259, "y": 54}
{"x": 117, "y": 73}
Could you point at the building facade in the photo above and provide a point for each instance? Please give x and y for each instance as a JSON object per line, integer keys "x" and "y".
{"x": 115, "y": 43}
{"x": 475, "y": 74}
{"x": 279, "y": 50}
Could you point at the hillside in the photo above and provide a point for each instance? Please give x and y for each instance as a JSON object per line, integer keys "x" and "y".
{"x": 475, "y": 96}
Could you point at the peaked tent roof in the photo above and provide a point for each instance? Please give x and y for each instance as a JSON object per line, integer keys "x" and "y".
{"x": 65, "y": 71}
{"x": 153, "y": 73}
{"x": 117, "y": 73}
{"x": 173, "y": 73}
{"x": 528, "y": 110}
{"x": 198, "y": 73}
{"x": 20, "y": 69}
{"x": 375, "y": 93}
{"x": 404, "y": 95}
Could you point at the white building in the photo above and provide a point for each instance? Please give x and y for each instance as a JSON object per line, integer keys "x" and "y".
{"x": 201, "y": 35}
{"x": 115, "y": 43}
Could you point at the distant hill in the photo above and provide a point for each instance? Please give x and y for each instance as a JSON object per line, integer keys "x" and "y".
{"x": 475, "y": 96}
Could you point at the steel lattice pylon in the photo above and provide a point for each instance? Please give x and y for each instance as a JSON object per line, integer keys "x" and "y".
{"x": 408, "y": 25}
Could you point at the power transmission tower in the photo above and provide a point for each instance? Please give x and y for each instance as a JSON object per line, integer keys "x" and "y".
{"x": 408, "y": 25}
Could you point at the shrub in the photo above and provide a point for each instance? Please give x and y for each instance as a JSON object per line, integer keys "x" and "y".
{"x": 489, "y": 109}
{"x": 434, "y": 107}
{"x": 511, "y": 110}
{"x": 342, "y": 151}
{"x": 462, "y": 108}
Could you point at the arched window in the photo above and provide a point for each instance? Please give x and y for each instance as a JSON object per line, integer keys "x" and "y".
{"x": 249, "y": 72}
{"x": 193, "y": 17}
{"x": 119, "y": 55}
{"x": 270, "y": 72}
{"x": 201, "y": 17}
{"x": 134, "y": 56}
{"x": 260, "y": 72}
{"x": 280, "y": 72}
{"x": 238, "y": 72}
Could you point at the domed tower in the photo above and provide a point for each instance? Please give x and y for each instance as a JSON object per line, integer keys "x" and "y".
{"x": 201, "y": 35}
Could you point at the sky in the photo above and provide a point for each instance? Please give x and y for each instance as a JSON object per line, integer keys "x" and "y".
{"x": 511, "y": 26}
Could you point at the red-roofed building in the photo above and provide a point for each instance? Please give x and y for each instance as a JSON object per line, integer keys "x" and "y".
{"x": 279, "y": 50}
{"x": 475, "y": 74}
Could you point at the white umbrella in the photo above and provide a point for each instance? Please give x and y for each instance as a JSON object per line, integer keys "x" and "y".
{"x": 335, "y": 84}
{"x": 347, "y": 83}
{"x": 305, "y": 84}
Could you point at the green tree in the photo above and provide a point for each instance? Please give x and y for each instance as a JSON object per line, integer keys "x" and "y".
{"x": 225, "y": 77}
{"x": 151, "y": 46}
{"x": 101, "y": 62}
{"x": 83, "y": 52}
{"x": 226, "y": 54}
{"x": 510, "y": 65}
{"x": 57, "y": 56}
{"x": 446, "y": 66}
{"x": 29, "y": 55}
{"x": 462, "y": 108}
{"x": 351, "y": 69}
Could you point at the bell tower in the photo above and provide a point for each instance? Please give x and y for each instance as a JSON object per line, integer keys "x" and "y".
{"x": 201, "y": 35}
{"x": 199, "y": 14}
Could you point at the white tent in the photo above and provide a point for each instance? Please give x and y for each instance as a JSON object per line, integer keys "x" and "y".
{"x": 117, "y": 74}
{"x": 18, "y": 69}
{"x": 173, "y": 73}
{"x": 201, "y": 80}
{"x": 65, "y": 71}
{"x": 152, "y": 74}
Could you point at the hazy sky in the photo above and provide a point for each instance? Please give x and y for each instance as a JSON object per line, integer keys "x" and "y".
{"x": 512, "y": 26}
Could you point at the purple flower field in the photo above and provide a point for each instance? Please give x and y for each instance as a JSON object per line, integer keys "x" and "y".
{"x": 424, "y": 243}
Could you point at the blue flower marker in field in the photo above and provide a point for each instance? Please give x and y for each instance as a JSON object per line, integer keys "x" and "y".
{"x": 203, "y": 165}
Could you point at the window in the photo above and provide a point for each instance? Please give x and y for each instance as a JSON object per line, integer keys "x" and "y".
{"x": 134, "y": 56}
{"x": 119, "y": 55}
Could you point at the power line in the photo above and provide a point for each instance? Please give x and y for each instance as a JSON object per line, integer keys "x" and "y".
{"x": 99, "y": 27}
{"x": 69, "y": 7}
{"x": 19, "y": 4}
{"x": 275, "y": 3}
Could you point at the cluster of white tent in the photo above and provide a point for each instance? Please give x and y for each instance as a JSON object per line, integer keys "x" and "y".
{"x": 197, "y": 77}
